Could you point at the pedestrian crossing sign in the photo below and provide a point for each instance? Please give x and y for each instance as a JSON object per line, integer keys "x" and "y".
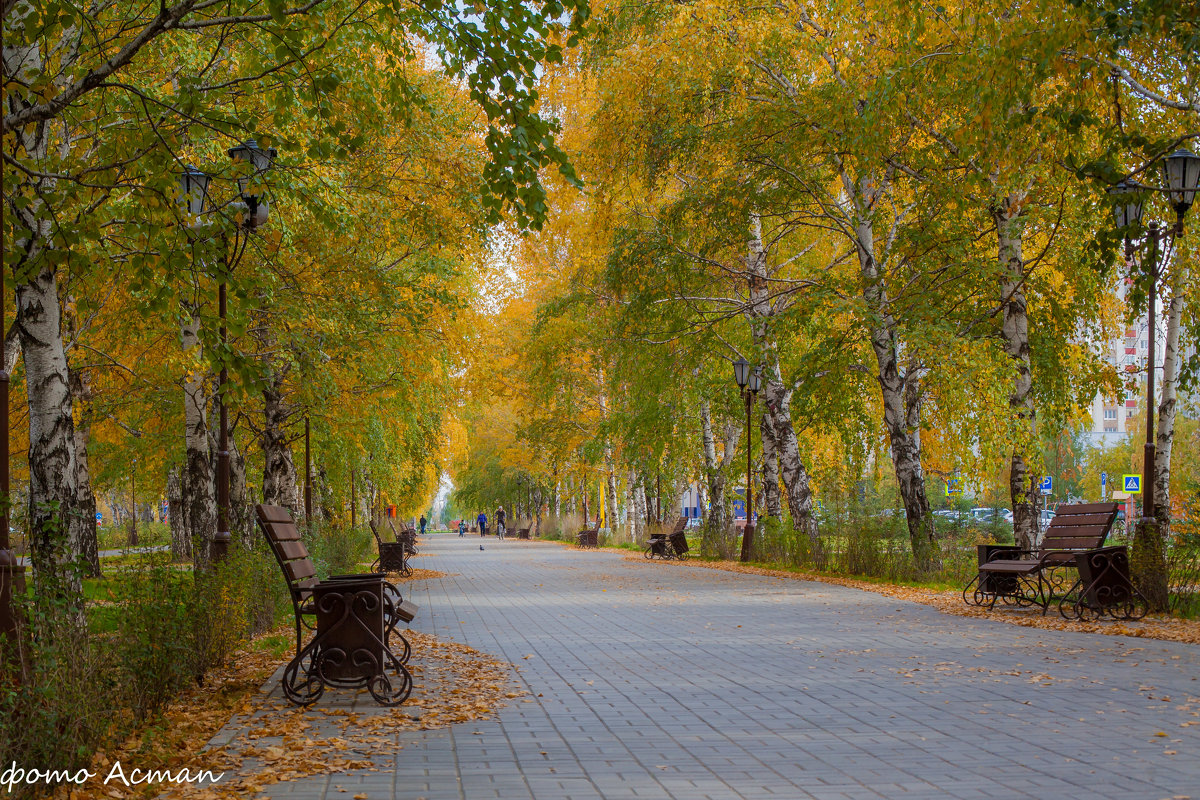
{"x": 1132, "y": 483}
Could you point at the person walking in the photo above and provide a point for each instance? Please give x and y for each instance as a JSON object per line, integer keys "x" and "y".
{"x": 482, "y": 520}
{"x": 462, "y": 528}
{"x": 424, "y": 523}
{"x": 500, "y": 523}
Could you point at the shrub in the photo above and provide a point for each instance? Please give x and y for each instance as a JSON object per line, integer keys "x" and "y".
{"x": 152, "y": 628}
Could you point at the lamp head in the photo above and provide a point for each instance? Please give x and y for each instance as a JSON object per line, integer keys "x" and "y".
{"x": 741, "y": 372}
{"x": 193, "y": 194}
{"x": 1181, "y": 170}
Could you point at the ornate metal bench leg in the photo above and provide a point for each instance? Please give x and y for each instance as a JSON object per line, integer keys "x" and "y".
{"x": 976, "y": 597}
{"x": 1106, "y": 587}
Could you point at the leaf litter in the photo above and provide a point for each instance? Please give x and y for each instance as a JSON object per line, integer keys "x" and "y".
{"x": 274, "y": 741}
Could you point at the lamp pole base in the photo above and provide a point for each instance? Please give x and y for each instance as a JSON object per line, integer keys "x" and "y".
{"x": 747, "y": 541}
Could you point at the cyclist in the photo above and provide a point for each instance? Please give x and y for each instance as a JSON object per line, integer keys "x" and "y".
{"x": 500, "y": 522}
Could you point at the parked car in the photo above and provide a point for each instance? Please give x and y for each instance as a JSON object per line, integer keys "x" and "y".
{"x": 991, "y": 515}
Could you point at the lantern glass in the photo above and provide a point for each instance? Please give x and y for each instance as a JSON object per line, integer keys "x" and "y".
{"x": 258, "y": 158}
{"x": 1182, "y": 172}
{"x": 756, "y": 379}
{"x": 1128, "y": 207}
{"x": 193, "y": 191}
{"x": 741, "y": 372}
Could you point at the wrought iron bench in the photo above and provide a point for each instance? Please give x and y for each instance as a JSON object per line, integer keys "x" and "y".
{"x": 393, "y": 556}
{"x": 588, "y": 537}
{"x": 407, "y": 536}
{"x": 669, "y": 545}
{"x": 522, "y": 533}
{"x": 1038, "y": 578}
{"x": 354, "y": 619}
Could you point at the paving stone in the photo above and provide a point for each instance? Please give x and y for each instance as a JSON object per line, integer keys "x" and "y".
{"x": 650, "y": 689}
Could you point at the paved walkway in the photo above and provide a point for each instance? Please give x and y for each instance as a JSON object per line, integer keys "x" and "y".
{"x": 667, "y": 683}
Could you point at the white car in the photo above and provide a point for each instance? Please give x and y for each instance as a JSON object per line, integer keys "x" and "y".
{"x": 991, "y": 514}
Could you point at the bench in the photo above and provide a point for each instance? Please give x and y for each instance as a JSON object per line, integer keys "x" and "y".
{"x": 669, "y": 545}
{"x": 407, "y": 536}
{"x": 393, "y": 556}
{"x": 522, "y": 533}
{"x": 354, "y": 620}
{"x": 588, "y": 537}
{"x": 1039, "y": 577}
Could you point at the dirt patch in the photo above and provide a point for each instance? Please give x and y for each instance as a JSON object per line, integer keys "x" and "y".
{"x": 951, "y": 602}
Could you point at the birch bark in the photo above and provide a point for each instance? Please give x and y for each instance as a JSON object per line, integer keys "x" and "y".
{"x": 1165, "y": 437}
{"x": 81, "y": 396}
{"x": 715, "y": 469}
{"x": 895, "y": 388}
{"x": 1009, "y": 229}
{"x": 279, "y": 471}
{"x": 199, "y": 493}
{"x": 777, "y": 397}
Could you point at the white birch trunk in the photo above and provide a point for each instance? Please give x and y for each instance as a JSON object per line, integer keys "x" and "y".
{"x": 1165, "y": 437}
{"x": 1015, "y": 329}
{"x": 81, "y": 396}
{"x": 197, "y": 481}
{"x": 780, "y": 434}
{"x": 894, "y": 388}
{"x": 279, "y": 486}
{"x": 56, "y": 527}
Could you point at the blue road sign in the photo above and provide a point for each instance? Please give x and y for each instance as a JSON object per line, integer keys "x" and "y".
{"x": 1133, "y": 483}
{"x": 1047, "y": 485}
{"x": 1103, "y": 478}
{"x": 99, "y": 517}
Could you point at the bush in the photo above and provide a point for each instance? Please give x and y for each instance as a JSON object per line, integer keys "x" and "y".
{"x": 339, "y": 551}
{"x": 93, "y": 677}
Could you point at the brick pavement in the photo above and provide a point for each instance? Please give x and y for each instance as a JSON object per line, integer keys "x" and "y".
{"x": 662, "y": 683}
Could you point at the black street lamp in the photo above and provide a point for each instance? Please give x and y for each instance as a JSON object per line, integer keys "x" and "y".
{"x": 749, "y": 381}
{"x": 1181, "y": 171}
{"x": 250, "y": 212}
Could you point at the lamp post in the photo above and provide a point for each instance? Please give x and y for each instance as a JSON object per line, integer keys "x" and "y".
{"x": 749, "y": 381}
{"x": 1181, "y": 173}
{"x": 250, "y": 211}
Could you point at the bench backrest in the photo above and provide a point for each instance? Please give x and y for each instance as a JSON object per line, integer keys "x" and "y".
{"x": 680, "y": 525}
{"x": 281, "y": 533}
{"x": 1079, "y": 527}
{"x": 375, "y": 533}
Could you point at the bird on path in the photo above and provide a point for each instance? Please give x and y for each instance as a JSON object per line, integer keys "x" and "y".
{"x": 480, "y": 547}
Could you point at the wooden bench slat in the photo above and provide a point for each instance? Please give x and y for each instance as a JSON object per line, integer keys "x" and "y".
{"x": 298, "y": 570}
{"x": 1074, "y": 520}
{"x": 1072, "y": 542}
{"x": 1089, "y": 508}
{"x": 273, "y": 513}
{"x": 290, "y": 551}
{"x": 281, "y": 531}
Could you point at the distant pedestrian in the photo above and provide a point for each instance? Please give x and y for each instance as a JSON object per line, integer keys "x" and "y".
{"x": 462, "y": 528}
{"x": 482, "y": 520}
{"x": 500, "y": 530}
{"x": 423, "y": 524}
